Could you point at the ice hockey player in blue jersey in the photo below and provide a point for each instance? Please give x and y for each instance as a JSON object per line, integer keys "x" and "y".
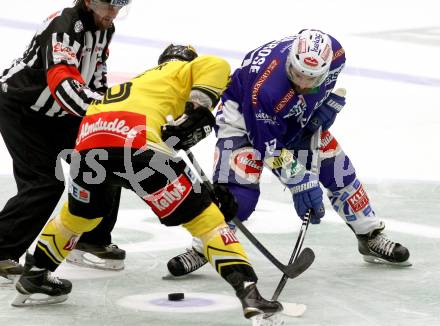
{"x": 281, "y": 95}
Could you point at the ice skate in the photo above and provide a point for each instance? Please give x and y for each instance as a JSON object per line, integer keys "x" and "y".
{"x": 376, "y": 248}
{"x": 36, "y": 286}
{"x": 186, "y": 263}
{"x": 108, "y": 257}
{"x": 10, "y": 269}
{"x": 255, "y": 306}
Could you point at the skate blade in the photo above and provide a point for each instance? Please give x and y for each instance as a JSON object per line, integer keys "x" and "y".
{"x": 273, "y": 320}
{"x": 36, "y": 299}
{"x": 293, "y": 309}
{"x": 377, "y": 260}
{"x": 85, "y": 259}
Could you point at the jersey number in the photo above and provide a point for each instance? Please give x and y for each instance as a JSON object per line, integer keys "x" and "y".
{"x": 114, "y": 95}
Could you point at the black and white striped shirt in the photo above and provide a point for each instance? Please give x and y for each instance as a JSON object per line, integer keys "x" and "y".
{"x": 64, "y": 67}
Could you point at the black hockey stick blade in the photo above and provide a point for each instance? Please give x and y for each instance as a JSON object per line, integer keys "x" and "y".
{"x": 301, "y": 264}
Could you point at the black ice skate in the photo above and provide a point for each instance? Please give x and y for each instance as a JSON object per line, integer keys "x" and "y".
{"x": 108, "y": 257}
{"x": 37, "y": 286}
{"x": 376, "y": 248}
{"x": 186, "y": 263}
{"x": 10, "y": 269}
{"x": 254, "y": 305}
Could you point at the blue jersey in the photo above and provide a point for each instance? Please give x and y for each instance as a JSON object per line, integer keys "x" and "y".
{"x": 273, "y": 111}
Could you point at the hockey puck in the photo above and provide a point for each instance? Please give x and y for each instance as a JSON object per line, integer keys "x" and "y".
{"x": 176, "y": 296}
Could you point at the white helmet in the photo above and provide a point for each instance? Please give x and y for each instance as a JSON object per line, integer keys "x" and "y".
{"x": 308, "y": 62}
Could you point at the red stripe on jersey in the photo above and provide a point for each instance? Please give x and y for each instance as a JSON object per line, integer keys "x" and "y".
{"x": 59, "y": 73}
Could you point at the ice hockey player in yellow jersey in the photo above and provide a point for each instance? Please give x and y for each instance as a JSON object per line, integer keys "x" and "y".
{"x": 125, "y": 140}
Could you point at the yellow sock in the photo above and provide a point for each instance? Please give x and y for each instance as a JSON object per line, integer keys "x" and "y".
{"x": 221, "y": 246}
{"x": 61, "y": 234}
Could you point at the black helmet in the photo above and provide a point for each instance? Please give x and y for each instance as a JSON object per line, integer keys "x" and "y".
{"x": 177, "y": 52}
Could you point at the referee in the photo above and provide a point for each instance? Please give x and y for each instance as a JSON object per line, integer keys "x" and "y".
{"x": 43, "y": 96}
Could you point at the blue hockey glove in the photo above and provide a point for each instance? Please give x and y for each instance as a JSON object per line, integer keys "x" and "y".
{"x": 325, "y": 115}
{"x": 307, "y": 194}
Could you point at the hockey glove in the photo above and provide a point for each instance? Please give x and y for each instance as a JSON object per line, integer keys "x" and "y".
{"x": 225, "y": 201}
{"x": 325, "y": 115}
{"x": 307, "y": 194}
{"x": 190, "y": 128}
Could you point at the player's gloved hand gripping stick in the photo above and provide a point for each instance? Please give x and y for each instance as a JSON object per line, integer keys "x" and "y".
{"x": 304, "y": 259}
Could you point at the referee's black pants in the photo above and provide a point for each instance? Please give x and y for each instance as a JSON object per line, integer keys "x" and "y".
{"x": 34, "y": 143}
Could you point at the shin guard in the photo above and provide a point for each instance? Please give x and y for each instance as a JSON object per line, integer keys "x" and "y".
{"x": 222, "y": 248}
{"x": 60, "y": 236}
{"x": 353, "y": 205}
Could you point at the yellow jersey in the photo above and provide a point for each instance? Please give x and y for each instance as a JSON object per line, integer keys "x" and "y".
{"x": 148, "y": 99}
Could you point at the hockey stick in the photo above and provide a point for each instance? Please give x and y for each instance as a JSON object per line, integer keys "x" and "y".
{"x": 303, "y": 261}
{"x": 316, "y": 140}
{"x": 289, "y": 309}
{"x": 316, "y": 144}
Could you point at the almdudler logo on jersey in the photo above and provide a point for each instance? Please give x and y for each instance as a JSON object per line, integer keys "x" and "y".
{"x": 168, "y": 199}
{"x": 359, "y": 200}
{"x": 111, "y": 129}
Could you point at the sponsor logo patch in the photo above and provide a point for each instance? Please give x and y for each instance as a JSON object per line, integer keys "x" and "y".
{"x": 283, "y": 102}
{"x": 70, "y": 245}
{"x": 262, "y": 79}
{"x": 316, "y": 43}
{"x": 63, "y": 51}
{"x": 298, "y": 109}
{"x": 166, "y": 200}
{"x": 78, "y": 192}
{"x": 302, "y": 46}
{"x": 78, "y": 27}
{"x": 244, "y": 162}
{"x": 112, "y": 129}
{"x": 312, "y": 62}
{"x": 328, "y": 142}
{"x": 119, "y": 3}
{"x": 359, "y": 200}
{"x": 338, "y": 53}
{"x": 329, "y": 145}
{"x": 266, "y": 118}
{"x": 325, "y": 54}
{"x": 190, "y": 174}
{"x": 228, "y": 236}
